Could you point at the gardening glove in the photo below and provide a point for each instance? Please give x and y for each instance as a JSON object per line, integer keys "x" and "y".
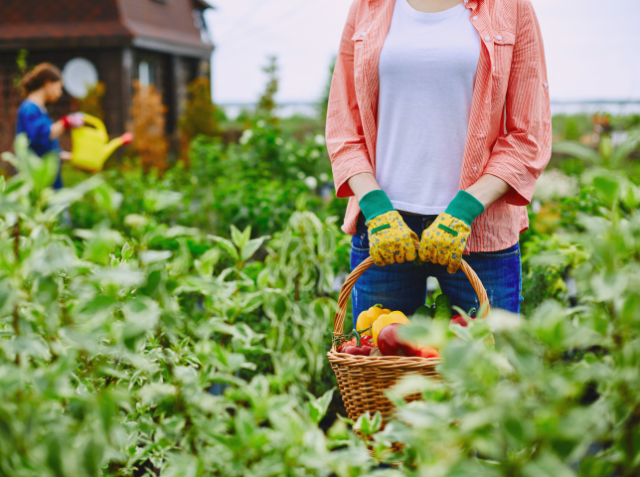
{"x": 445, "y": 240}
{"x": 75, "y": 120}
{"x": 390, "y": 238}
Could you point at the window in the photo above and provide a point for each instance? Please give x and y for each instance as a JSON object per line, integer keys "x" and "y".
{"x": 144, "y": 74}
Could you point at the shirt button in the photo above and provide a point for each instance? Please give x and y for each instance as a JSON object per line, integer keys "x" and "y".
{"x": 487, "y": 38}
{"x": 499, "y": 37}
{"x": 475, "y": 18}
{"x": 494, "y": 68}
{"x": 466, "y": 1}
{"x": 364, "y": 33}
{"x": 546, "y": 85}
{"x": 475, "y": 168}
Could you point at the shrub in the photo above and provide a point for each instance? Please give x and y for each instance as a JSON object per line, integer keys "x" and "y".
{"x": 199, "y": 116}
{"x": 148, "y": 115}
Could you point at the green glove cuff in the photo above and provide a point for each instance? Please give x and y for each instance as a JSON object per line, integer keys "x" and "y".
{"x": 375, "y": 203}
{"x": 465, "y": 207}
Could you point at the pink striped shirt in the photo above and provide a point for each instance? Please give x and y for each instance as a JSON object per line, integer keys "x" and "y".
{"x": 509, "y": 132}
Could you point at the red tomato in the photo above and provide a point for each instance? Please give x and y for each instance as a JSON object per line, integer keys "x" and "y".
{"x": 390, "y": 343}
{"x": 428, "y": 352}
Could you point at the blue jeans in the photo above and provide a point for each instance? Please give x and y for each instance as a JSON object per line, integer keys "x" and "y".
{"x": 403, "y": 286}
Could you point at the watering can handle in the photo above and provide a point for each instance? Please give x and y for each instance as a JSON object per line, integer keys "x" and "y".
{"x": 95, "y": 122}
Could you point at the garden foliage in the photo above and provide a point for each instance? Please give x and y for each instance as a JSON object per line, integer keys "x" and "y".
{"x": 148, "y": 127}
{"x": 180, "y": 327}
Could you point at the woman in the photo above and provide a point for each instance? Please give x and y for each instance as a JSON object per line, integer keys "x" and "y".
{"x": 438, "y": 126}
{"x": 42, "y": 86}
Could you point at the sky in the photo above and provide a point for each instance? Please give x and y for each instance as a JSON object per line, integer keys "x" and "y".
{"x": 592, "y": 47}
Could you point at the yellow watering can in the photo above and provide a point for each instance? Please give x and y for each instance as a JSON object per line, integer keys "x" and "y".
{"x": 91, "y": 146}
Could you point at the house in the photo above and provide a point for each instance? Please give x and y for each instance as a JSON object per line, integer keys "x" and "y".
{"x": 161, "y": 42}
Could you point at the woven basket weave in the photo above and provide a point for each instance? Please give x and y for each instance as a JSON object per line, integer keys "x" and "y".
{"x": 363, "y": 379}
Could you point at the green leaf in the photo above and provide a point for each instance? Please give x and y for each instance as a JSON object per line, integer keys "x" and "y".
{"x": 368, "y": 425}
{"x": 240, "y": 238}
{"x": 624, "y": 150}
{"x": 318, "y": 407}
{"x": 155, "y": 201}
{"x": 608, "y": 187}
{"x": 226, "y": 245}
{"x": 250, "y": 248}
{"x": 152, "y": 256}
{"x": 577, "y": 150}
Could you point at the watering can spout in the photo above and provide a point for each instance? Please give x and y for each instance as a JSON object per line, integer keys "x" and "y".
{"x": 111, "y": 146}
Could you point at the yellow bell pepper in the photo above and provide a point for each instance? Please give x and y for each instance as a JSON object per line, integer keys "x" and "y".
{"x": 384, "y": 320}
{"x": 369, "y": 317}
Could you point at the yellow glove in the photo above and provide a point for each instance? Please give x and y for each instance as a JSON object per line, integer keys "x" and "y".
{"x": 390, "y": 238}
{"x": 445, "y": 240}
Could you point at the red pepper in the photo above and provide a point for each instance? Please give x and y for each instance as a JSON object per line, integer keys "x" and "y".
{"x": 346, "y": 344}
{"x": 364, "y": 350}
{"x": 351, "y": 347}
{"x": 460, "y": 320}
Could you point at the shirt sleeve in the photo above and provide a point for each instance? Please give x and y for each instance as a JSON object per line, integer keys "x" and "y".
{"x": 521, "y": 153}
{"x": 37, "y": 127}
{"x": 345, "y": 136}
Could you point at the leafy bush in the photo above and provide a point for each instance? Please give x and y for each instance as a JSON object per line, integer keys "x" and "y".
{"x": 148, "y": 124}
{"x": 161, "y": 335}
{"x": 110, "y": 340}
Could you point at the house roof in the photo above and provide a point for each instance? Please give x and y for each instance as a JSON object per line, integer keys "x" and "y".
{"x": 165, "y": 25}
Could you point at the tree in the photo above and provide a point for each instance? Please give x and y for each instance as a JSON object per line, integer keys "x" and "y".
{"x": 267, "y": 103}
{"x": 199, "y": 116}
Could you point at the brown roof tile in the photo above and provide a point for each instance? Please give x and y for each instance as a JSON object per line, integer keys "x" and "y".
{"x": 170, "y": 21}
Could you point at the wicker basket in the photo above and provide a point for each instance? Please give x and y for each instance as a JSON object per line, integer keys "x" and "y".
{"x": 363, "y": 379}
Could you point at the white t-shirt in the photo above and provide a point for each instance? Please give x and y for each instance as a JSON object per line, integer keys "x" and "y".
{"x": 427, "y": 69}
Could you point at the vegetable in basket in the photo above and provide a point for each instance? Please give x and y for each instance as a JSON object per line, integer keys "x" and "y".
{"x": 460, "y": 320}
{"x": 391, "y": 344}
{"x": 357, "y": 349}
{"x": 385, "y": 320}
{"x": 443, "y": 308}
{"x": 369, "y": 317}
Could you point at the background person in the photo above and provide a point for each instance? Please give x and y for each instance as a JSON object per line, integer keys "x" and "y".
{"x": 43, "y": 86}
{"x": 438, "y": 127}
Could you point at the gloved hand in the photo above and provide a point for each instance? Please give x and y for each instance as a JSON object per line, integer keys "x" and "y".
{"x": 445, "y": 240}
{"x": 75, "y": 120}
{"x": 390, "y": 238}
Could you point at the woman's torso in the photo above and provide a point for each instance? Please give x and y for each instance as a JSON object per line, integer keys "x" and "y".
{"x": 497, "y": 24}
{"x": 34, "y": 121}
{"x": 427, "y": 70}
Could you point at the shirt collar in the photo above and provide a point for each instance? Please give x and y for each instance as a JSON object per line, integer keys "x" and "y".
{"x": 472, "y": 4}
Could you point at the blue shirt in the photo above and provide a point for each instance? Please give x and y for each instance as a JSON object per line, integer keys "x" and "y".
{"x": 36, "y": 123}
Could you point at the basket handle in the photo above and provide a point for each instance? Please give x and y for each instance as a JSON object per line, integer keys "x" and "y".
{"x": 345, "y": 292}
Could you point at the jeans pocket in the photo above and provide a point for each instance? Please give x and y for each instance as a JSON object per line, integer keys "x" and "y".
{"x": 499, "y": 255}
{"x": 360, "y": 240}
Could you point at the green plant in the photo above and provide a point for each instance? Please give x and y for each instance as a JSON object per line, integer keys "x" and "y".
{"x": 267, "y": 103}
{"x": 199, "y": 116}
{"x": 111, "y": 338}
{"x": 92, "y": 102}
